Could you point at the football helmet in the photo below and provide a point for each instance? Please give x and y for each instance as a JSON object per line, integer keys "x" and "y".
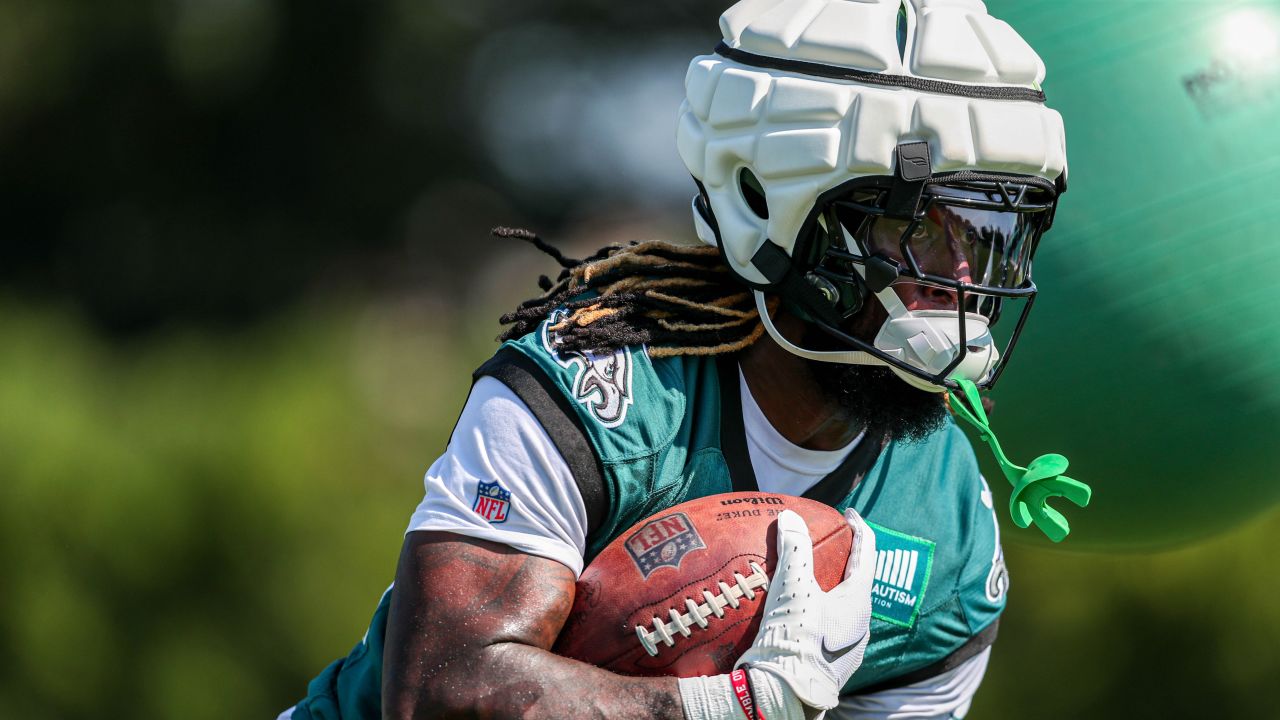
{"x": 890, "y": 152}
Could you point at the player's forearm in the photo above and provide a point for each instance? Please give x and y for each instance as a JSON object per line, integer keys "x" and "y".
{"x": 469, "y": 636}
{"x": 510, "y": 680}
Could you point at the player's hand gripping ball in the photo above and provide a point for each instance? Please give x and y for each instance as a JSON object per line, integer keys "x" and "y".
{"x": 682, "y": 593}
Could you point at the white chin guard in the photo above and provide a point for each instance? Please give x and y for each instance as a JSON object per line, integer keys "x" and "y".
{"x": 930, "y": 340}
{"x": 925, "y": 339}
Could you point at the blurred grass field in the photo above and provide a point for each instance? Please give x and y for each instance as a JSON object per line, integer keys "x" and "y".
{"x": 193, "y": 524}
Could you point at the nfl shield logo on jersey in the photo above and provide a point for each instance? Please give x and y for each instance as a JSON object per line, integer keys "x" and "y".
{"x": 492, "y": 502}
{"x": 662, "y": 542}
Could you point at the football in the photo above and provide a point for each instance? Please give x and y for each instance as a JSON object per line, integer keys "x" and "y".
{"x": 682, "y": 593}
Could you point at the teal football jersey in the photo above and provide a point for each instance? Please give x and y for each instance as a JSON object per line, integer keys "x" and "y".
{"x": 641, "y": 434}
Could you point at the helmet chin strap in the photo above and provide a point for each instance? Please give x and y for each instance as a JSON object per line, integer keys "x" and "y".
{"x": 844, "y": 357}
{"x": 927, "y": 339}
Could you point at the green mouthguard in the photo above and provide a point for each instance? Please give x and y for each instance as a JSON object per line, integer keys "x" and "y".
{"x": 1033, "y": 485}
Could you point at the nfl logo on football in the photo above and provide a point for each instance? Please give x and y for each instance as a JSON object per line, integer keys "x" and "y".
{"x": 492, "y": 502}
{"x": 663, "y": 543}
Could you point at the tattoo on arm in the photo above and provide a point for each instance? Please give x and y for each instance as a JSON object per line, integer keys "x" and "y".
{"x": 469, "y": 636}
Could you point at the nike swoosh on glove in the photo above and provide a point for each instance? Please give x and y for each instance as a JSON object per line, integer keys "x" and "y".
{"x": 810, "y": 639}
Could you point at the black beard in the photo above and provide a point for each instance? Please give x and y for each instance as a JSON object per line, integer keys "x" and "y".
{"x": 880, "y": 401}
{"x": 874, "y": 397}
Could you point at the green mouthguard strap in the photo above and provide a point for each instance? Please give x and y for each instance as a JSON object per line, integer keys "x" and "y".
{"x": 1033, "y": 485}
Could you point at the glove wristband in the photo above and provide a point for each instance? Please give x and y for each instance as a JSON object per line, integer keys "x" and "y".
{"x": 741, "y": 685}
{"x": 716, "y": 698}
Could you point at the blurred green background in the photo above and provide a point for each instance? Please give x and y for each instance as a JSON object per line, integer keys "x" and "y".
{"x": 244, "y": 276}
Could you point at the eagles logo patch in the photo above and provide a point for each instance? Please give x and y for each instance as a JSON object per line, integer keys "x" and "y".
{"x": 998, "y": 577}
{"x": 601, "y": 383}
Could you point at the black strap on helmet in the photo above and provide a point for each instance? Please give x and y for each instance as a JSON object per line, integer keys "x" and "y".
{"x": 914, "y": 171}
{"x": 795, "y": 288}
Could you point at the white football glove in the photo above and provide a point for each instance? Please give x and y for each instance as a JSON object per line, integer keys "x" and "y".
{"x": 810, "y": 642}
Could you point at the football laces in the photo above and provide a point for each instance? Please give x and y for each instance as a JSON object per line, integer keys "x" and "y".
{"x": 696, "y": 614}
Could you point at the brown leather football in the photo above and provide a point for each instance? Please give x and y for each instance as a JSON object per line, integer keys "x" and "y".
{"x": 682, "y": 593}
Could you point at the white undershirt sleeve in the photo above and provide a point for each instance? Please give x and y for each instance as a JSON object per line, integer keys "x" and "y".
{"x": 535, "y": 506}
{"x": 946, "y": 696}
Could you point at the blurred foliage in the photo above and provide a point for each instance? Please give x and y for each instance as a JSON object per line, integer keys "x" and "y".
{"x": 191, "y": 525}
{"x": 194, "y": 524}
{"x": 208, "y": 160}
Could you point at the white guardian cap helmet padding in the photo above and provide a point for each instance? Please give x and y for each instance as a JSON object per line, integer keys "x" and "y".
{"x": 914, "y": 107}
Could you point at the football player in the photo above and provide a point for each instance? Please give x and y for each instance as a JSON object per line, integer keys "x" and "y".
{"x": 873, "y": 179}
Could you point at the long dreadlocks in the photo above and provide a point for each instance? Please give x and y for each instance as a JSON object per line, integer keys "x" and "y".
{"x": 677, "y": 300}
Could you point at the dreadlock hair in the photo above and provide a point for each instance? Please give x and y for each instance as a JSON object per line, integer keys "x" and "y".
{"x": 676, "y": 299}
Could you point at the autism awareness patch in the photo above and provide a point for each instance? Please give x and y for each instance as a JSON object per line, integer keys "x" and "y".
{"x": 903, "y": 564}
